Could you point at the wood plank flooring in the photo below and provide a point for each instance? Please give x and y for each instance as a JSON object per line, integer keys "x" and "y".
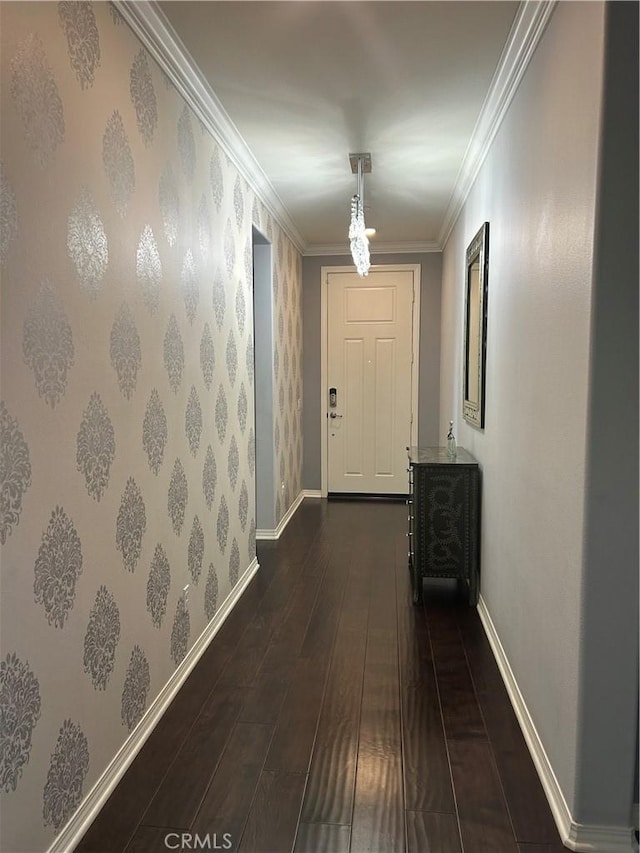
{"x": 330, "y": 715}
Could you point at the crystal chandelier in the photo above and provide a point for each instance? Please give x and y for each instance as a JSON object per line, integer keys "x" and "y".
{"x": 360, "y": 163}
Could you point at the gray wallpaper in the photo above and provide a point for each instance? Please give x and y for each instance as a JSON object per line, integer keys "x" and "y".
{"x": 127, "y": 456}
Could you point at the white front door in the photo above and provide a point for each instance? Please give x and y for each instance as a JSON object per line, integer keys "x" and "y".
{"x": 369, "y": 365}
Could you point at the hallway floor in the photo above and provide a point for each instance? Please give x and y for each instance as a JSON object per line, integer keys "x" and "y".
{"x": 329, "y": 714}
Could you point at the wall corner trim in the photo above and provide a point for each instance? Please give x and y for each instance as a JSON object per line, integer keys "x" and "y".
{"x": 286, "y": 518}
{"x": 588, "y": 838}
{"x": 528, "y": 27}
{"x": 400, "y": 248}
{"x": 584, "y": 838}
{"x": 154, "y": 30}
{"x": 87, "y": 811}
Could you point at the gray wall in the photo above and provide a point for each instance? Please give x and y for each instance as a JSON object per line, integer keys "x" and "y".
{"x": 559, "y": 448}
{"x": 537, "y": 188}
{"x": 429, "y": 386}
{"x": 263, "y": 329}
{"x": 609, "y": 655}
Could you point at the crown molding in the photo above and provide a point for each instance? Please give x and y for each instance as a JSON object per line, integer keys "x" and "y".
{"x": 527, "y": 29}
{"x": 156, "y": 33}
{"x": 317, "y": 250}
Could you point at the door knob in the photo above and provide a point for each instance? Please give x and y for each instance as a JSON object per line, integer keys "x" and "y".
{"x": 334, "y": 415}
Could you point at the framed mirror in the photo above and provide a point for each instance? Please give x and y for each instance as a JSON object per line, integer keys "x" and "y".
{"x": 475, "y": 327}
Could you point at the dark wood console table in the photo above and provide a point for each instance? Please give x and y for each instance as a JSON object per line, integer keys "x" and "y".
{"x": 444, "y": 518}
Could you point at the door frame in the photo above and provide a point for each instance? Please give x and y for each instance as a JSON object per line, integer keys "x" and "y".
{"x": 262, "y": 310}
{"x": 324, "y": 329}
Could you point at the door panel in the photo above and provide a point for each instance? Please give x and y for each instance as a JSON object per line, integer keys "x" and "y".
{"x": 369, "y": 361}
{"x": 353, "y": 407}
{"x": 370, "y": 304}
{"x": 384, "y": 405}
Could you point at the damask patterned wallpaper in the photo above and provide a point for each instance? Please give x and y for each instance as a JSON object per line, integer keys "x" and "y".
{"x": 127, "y": 459}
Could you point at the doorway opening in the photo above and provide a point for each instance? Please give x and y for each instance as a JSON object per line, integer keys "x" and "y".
{"x": 263, "y": 380}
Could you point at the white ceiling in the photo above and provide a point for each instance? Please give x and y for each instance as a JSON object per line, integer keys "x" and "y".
{"x": 306, "y": 83}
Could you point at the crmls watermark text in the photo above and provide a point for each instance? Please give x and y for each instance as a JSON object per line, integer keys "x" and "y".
{"x": 194, "y": 841}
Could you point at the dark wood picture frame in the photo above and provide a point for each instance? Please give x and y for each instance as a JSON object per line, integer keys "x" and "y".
{"x": 475, "y": 328}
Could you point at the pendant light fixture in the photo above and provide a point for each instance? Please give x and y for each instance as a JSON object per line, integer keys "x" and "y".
{"x": 360, "y": 164}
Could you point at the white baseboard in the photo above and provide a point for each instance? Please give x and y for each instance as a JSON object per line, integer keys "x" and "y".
{"x": 585, "y": 838}
{"x": 286, "y": 518}
{"x": 312, "y": 493}
{"x": 588, "y": 838}
{"x": 552, "y": 790}
{"x": 88, "y": 809}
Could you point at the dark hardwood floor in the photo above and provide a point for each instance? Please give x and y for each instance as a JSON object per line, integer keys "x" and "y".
{"x": 330, "y": 714}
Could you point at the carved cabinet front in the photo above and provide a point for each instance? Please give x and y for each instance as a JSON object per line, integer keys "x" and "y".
{"x": 444, "y": 518}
